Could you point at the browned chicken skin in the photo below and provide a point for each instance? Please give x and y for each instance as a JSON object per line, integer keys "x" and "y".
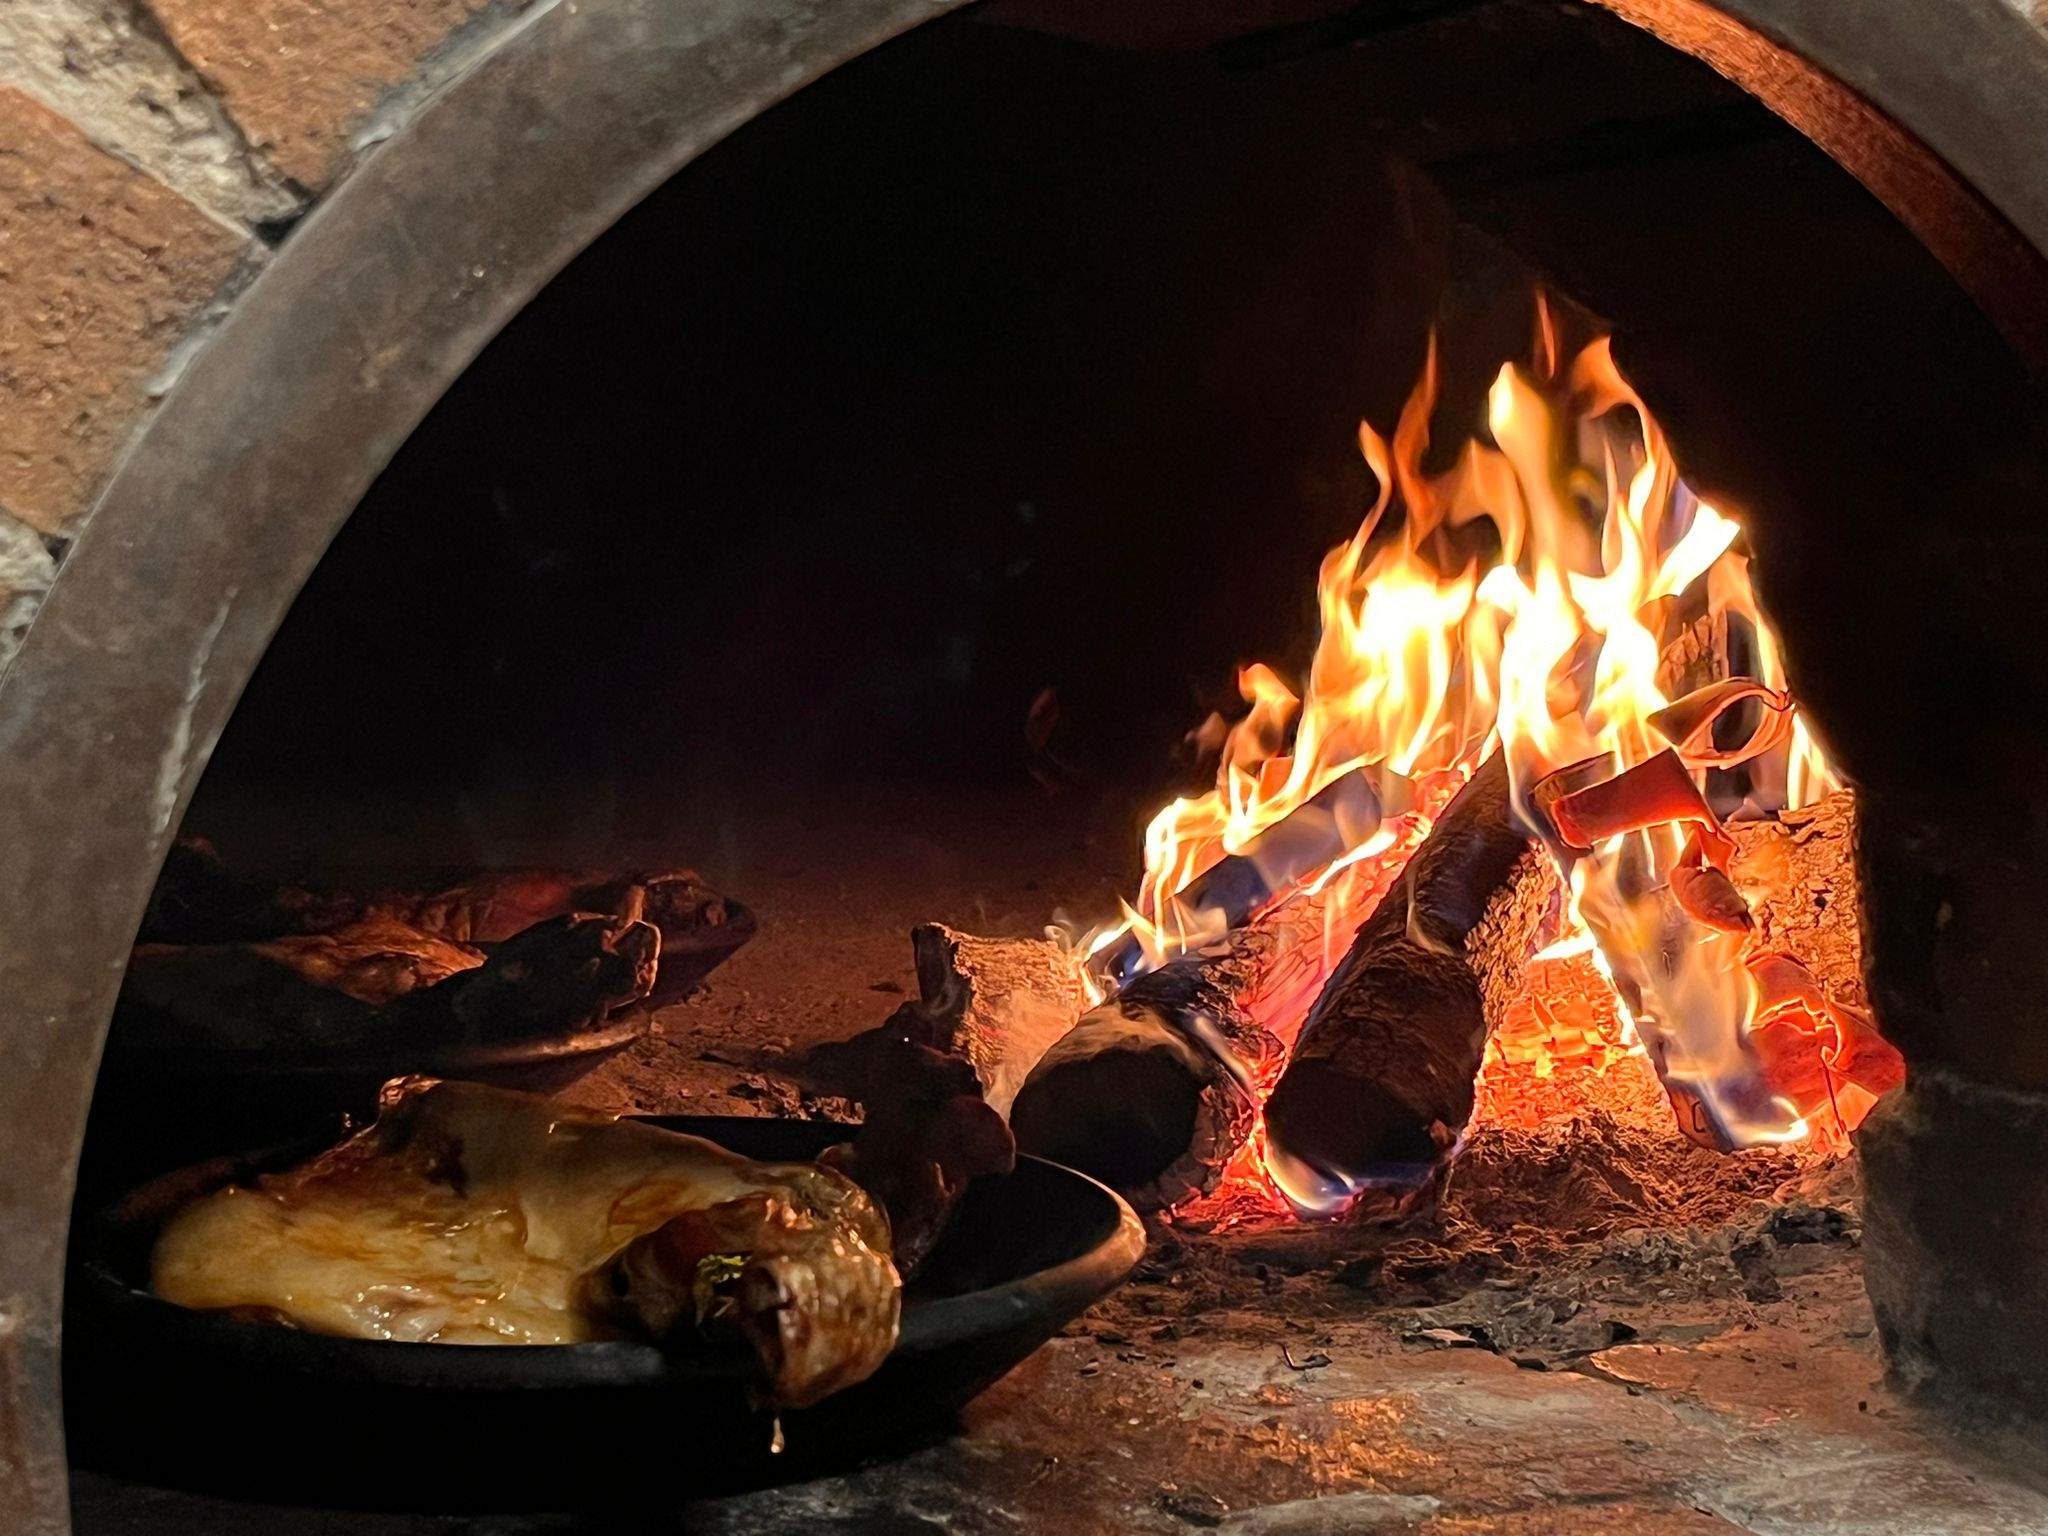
{"x": 476, "y": 1215}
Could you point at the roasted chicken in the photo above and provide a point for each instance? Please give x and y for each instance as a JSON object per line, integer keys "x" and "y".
{"x": 475, "y": 1215}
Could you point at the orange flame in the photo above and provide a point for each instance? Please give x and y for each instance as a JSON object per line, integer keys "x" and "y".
{"x": 1525, "y": 599}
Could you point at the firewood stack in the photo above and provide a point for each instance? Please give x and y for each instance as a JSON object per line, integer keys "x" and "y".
{"x": 1156, "y": 1089}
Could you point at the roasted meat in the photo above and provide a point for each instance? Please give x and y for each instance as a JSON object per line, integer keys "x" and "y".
{"x": 202, "y": 901}
{"x": 475, "y": 1215}
{"x": 378, "y": 982}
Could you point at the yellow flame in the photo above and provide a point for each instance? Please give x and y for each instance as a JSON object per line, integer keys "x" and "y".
{"x": 1524, "y": 598}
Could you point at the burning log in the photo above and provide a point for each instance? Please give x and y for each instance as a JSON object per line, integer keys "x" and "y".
{"x": 1695, "y": 656}
{"x": 379, "y": 984}
{"x": 1342, "y": 815}
{"x": 1152, "y": 1092}
{"x": 1814, "y": 1030}
{"x": 1797, "y": 873}
{"x": 1793, "y": 876}
{"x": 1380, "y": 1084}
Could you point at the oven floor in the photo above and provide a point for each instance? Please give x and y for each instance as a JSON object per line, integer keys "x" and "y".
{"x": 1773, "y": 1420}
{"x": 1675, "y": 1375}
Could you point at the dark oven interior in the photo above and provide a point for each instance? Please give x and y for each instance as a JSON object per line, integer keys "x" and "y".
{"x": 867, "y": 523}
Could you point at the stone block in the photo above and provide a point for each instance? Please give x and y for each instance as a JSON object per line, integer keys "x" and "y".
{"x": 27, "y": 566}
{"x": 1955, "y": 1232}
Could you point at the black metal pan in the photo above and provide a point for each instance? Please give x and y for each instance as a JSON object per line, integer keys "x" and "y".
{"x": 200, "y": 1400}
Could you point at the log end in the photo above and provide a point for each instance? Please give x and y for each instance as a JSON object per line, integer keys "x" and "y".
{"x": 1351, "y": 1131}
{"x": 1126, "y": 1099}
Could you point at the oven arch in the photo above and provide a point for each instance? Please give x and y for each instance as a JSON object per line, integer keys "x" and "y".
{"x": 223, "y": 505}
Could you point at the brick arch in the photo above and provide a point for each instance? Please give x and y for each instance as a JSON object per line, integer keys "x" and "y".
{"x": 521, "y": 138}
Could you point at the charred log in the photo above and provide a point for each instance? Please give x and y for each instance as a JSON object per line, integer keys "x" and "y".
{"x": 1380, "y": 1083}
{"x": 1152, "y": 1091}
{"x": 926, "y": 1135}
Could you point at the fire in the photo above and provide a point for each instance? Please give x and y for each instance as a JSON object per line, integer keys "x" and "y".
{"x": 1531, "y": 599}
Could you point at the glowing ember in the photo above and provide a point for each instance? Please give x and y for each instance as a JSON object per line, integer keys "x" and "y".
{"x": 1566, "y": 1018}
{"x": 1545, "y": 596}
